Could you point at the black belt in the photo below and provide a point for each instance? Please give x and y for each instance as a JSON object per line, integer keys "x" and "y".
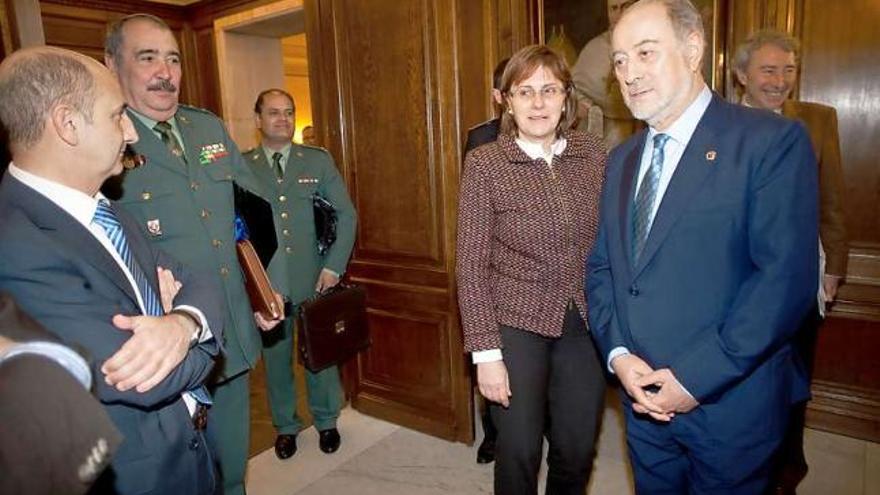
{"x": 200, "y": 417}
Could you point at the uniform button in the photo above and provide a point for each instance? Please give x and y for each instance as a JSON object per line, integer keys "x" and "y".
{"x": 288, "y": 249}
{"x": 229, "y": 177}
{"x": 634, "y": 290}
{"x": 194, "y": 444}
{"x": 205, "y": 213}
{"x": 146, "y": 195}
{"x": 282, "y": 198}
{"x": 194, "y": 185}
{"x": 216, "y": 243}
{"x": 284, "y": 215}
{"x": 286, "y": 232}
{"x": 224, "y": 271}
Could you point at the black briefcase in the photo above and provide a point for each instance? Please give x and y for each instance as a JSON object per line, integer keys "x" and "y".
{"x": 332, "y": 326}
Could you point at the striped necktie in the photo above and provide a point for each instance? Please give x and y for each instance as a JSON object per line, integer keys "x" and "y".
{"x": 106, "y": 218}
{"x": 644, "y": 204}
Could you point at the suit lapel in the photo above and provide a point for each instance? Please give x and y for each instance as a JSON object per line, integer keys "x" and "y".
{"x": 66, "y": 231}
{"x": 627, "y": 193}
{"x": 696, "y": 163}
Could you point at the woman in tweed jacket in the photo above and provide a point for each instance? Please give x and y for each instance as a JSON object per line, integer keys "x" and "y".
{"x": 528, "y": 215}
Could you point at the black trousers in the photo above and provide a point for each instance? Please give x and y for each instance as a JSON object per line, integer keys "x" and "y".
{"x": 558, "y": 383}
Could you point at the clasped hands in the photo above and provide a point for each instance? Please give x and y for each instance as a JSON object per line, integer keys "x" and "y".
{"x": 656, "y": 393}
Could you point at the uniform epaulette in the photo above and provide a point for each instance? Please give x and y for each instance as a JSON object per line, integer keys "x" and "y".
{"x": 197, "y": 109}
{"x": 319, "y": 148}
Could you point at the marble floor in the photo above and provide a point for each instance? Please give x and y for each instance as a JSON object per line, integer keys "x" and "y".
{"x": 379, "y": 458}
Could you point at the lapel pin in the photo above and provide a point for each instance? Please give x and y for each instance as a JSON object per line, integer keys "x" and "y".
{"x": 154, "y": 227}
{"x": 299, "y": 154}
{"x": 710, "y": 155}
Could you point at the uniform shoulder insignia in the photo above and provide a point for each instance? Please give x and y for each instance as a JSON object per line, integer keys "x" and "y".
{"x": 313, "y": 147}
{"x": 197, "y": 109}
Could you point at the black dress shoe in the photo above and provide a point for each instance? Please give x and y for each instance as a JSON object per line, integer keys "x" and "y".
{"x": 329, "y": 440}
{"x": 486, "y": 452}
{"x": 285, "y": 446}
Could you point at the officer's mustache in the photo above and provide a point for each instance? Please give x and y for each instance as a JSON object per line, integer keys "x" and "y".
{"x": 162, "y": 85}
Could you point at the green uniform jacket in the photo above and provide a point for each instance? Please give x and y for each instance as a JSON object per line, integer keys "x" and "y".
{"x": 187, "y": 209}
{"x": 295, "y": 267}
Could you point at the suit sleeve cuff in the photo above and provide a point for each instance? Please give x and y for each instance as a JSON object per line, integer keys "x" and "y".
{"x": 65, "y": 357}
{"x": 204, "y": 330}
{"x": 486, "y": 356}
{"x": 616, "y": 352}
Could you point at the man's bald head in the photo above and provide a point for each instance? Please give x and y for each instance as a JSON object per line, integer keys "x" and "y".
{"x": 33, "y": 81}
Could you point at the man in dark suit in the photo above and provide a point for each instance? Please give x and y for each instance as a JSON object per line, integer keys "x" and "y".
{"x": 767, "y": 67}
{"x": 487, "y": 132}
{"x": 82, "y": 268}
{"x": 294, "y": 174}
{"x": 73, "y": 422}
{"x": 705, "y": 265}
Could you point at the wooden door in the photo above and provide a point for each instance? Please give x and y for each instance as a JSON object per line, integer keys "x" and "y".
{"x": 385, "y": 77}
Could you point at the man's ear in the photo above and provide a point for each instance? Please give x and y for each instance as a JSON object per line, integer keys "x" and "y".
{"x": 741, "y": 77}
{"x": 695, "y": 47}
{"x": 110, "y": 63}
{"x": 66, "y": 122}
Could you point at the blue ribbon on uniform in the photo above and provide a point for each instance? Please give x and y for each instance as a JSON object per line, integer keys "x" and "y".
{"x": 241, "y": 230}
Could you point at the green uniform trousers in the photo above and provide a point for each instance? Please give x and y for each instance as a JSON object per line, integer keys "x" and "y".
{"x": 324, "y": 388}
{"x": 229, "y": 426}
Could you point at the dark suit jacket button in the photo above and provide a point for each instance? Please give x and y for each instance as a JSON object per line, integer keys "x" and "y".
{"x": 634, "y": 291}
{"x": 194, "y": 444}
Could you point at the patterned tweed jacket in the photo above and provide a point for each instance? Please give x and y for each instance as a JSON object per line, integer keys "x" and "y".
{"x": 524, "y": 231}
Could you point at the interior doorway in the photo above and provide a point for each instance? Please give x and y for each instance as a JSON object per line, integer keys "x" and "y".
{"x": 257, "y": 49}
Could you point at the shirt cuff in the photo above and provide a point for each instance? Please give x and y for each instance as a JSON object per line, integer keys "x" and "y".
{"x": 205, "y": 331}
{"x": 67, "y": 358}
{"x": 487, "y": 356}
{"x": 332, "y": 272}
{"x": 617, "y": 351}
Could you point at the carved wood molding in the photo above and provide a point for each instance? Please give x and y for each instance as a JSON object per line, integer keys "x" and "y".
{"x": 846, "y": 410}
{"x": 860, "y": 296}
{"x": 165, "y": 11}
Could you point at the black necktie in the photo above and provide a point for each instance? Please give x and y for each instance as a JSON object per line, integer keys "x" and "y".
{"x": 276, "y": 164}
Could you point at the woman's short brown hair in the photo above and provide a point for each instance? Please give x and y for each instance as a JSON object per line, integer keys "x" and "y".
{"x": 521, "y": 66}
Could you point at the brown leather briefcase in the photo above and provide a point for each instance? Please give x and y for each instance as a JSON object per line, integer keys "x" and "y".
{"x": 256, "y": 281}
{"x": 332, "y": 326}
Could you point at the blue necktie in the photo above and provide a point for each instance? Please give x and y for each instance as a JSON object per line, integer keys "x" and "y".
{"x": 106, "y": 218}
{"x": 646, "y": 196}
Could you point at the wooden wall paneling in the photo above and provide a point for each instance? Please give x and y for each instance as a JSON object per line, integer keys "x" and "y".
{"x": 478, "y": 58}
{"x": 838, "y": 69}
{"x": 20, "y": 25}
